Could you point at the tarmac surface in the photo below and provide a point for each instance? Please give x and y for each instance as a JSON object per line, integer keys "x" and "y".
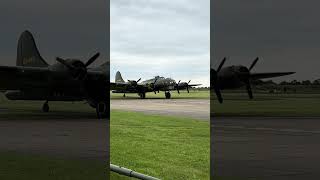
{"x": 266, "y": 148}
{"x": 79, "y": 138}
{"x": 192, "y": 108}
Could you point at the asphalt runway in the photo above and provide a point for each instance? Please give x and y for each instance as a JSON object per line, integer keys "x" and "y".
{"x": 266, "y": 148}
{"x": 192, "y": 108}
{"x": 78, "y": 138}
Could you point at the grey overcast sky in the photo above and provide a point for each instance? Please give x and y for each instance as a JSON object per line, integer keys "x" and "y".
{"x": 284, "y": 33}
{"x": 170, "y": 38}
{"x": 66, "y": 28}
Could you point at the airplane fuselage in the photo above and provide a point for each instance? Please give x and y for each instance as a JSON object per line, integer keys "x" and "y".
{"x": 55, "y": 83}
{"x": 161, "y": 84}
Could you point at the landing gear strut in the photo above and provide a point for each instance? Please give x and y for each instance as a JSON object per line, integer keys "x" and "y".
{"x": 102, "y": 110}
{"x": 124, "y": 95}
{"x": 142, "y": 95}
{"x": 45, "y": 107}
{"x": 168, "y": 95}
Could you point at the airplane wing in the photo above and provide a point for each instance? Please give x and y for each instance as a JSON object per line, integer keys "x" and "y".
{"x": 192, "y": 85}
{"x": 97, "y": 75}
{"x": 256, "y": 76}
{"x": 16, "y": 77}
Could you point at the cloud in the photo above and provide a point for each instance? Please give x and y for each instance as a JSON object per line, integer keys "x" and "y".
{"x": 169, "y": 38}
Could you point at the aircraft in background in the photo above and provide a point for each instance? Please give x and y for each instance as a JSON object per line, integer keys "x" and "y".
{"x": 232, "y": 77}
{"x": 155, "y": 85}
{"x": 67, "y": 80}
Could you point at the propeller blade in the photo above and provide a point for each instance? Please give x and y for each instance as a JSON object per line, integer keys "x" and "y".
{"x": 221, "y": 64}
{"x": 178, "y": 86}
{"x": 254, "y": 63}
{"x": 218, "y": 94}
{"x": 62, "y": 61}
{"x": 214, "y": 83}
{"x": 92, "y": 59}
{"x": 189, "y": 82}
{"x": 154, "y": 85}
{"x": 138, "y": 80}
{"x": 249, "y": 90}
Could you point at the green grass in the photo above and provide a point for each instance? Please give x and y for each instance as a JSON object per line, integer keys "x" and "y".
{"x": 238, "y": 104}
{"x": 194, "y": 94}
{"x": 160, "y": 146}
{"x": 20, "y": 166}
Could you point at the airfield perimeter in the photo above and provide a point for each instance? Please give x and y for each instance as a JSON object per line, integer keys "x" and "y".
{"x": 191, "y": 108}
{"x": 282, "y": 143}
{"x": 191, "y": 105}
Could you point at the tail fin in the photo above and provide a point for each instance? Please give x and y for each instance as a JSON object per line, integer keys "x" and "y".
{"x": 119, "y": 78}
{"x": 27, "y": 52}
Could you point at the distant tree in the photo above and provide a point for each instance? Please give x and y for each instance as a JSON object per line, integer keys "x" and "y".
{"x": 316, "y": 82}
{"x": 295, "y": 82}
{"x": 306, "y": 82}
{"x": 284, "y": 83}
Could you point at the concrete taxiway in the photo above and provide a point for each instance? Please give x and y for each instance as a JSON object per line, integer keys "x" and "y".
{"x": 266, "y": 148}
{"x": 192, "y": 108}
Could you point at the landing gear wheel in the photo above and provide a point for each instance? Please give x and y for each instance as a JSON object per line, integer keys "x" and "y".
{"x": 168, "y": 95}
{"x": 142, "y": 95}
{"x": 101, "y": 110}
{"x": 124, "y": 95}
{"x": 45, "y": 107}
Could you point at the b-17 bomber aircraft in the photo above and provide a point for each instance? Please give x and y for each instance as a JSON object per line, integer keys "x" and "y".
{"x": 67, "y": 80}
{"x": 155, "y": 85}
{"x": 233, "y": 77}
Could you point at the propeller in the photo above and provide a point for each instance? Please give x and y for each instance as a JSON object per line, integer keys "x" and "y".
{"x": 78, "y": 68}
{"x": 188, "y": 86}
{"x": 183, "y": 85}
{"x": 178, "y": 86}
{"x": 64, "y": 62}
{"x": 249, "y": 90}
{"x": 246, "y": 77}
{"x": 154, "y": 85}
{"x": 133, "y": 82}
{"x": 214, "y": 78}
{"x": 253, "y": 63}
{"x": 92, "y": 59}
